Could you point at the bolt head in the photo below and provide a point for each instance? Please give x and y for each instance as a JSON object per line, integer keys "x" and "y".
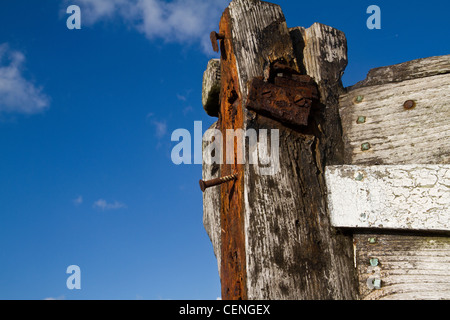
{"x": 377, "y": 284}
{"x": 361, "y": 120}
{"x": 202, "y": 185}
{"x": 374, "y": 262}
{"x": 359, "y": 99}
{"x": 410, "y": 104}
{"x": 359, "y": 176}
{"x": 365, "y": 146}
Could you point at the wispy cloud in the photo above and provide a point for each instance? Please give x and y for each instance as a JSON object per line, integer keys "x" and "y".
{"x": 160, "y": 126}
{"x": 104, "y": 205}
{"x": 17, "y": 94}
{"x": 184, "y": 21}
{"x": 78, "y": 201}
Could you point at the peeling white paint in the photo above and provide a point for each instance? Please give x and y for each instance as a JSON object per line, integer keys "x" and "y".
{"x": 415, "y": 197}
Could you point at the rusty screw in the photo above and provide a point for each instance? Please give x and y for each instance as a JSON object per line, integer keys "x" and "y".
{"x": 215, "y": 182}
{"x": 409, "y": 104}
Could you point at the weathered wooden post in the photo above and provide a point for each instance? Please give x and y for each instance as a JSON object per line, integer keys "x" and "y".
{"x": 356, "y": 204}
{"x": 276, "y": 240}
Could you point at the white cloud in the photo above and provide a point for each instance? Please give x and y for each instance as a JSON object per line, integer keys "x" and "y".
{"x": 57, "y": 298}
{"x": 78, "y": 201}
{"x": 104, "y": 205}
{"x": 181, "y": 21}
{"x": 17, "y": 94}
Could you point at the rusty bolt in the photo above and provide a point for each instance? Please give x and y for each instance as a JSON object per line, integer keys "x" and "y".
{"x": 409, "y": 104}
{"x": 215, "y": 182}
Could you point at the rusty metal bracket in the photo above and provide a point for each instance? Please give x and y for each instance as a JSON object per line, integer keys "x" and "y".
{"x": 288, "y": 99}
{"x": 214, "y": 36}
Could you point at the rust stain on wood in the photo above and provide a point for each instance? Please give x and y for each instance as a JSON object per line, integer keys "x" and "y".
{"x": 233, "y": 267}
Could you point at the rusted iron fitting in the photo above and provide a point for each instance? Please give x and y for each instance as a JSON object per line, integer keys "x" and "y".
{"x": 214, "y": 36}
{"x": 215, "y": 182}
{"x": 288, "y": 97}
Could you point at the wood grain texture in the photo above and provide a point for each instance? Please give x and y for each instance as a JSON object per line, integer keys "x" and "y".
{"x": 211, "y": 198}
{"x": 322, "y": 54}
{"x": 293, "y": 253}
{"x": 415, "y": 69}
{"x": 292, "y": 250}
{"x": 395, "y": 135}
{"x": 260, "y": 37}
{"x": 405, "y": 197}
{"x": 409, "y": 267}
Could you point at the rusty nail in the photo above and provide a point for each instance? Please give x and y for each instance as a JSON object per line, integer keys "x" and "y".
{"x": 215, "y": 182}
{"x": 409, "y": 104}
{"x": 365, "y": 146}
{"x": 214, "y": 36}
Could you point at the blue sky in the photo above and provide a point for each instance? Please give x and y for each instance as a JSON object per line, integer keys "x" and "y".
{"x": 86, "y": 117}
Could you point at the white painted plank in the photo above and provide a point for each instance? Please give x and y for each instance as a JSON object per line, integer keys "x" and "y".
{"x": 413, "y": 197}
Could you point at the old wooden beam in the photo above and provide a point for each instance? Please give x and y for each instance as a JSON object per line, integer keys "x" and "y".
{"x": 403, "y": 197}
{"x": 379, "y": 127}
{"x": 415, "y": 69}
{"x": 277, "y": 241}
{"x": 399, "y": 116}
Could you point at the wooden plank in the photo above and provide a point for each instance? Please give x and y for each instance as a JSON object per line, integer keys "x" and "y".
{"x": 407, "y": 267}
{"x": 410, "y": 197}
{"x": 374, "y": 118}
{"x": 415, "y": 69}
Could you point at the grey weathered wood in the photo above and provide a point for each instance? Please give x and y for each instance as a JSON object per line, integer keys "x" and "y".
{"x": 290, "y": 255}
{"x": 211, "y": 198}
{"x": 291, "y": 250}
{"x": 409, "y": 197}
{"x": 413, "y": 266}
{"x": 260, "y": 37}
{"x": 414, "y": 69}
{"x": 322, "y": 54}
{"x": 396, "y": 135}
{"x": 409, "y": 267}
{"x": 211, "y": 88}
